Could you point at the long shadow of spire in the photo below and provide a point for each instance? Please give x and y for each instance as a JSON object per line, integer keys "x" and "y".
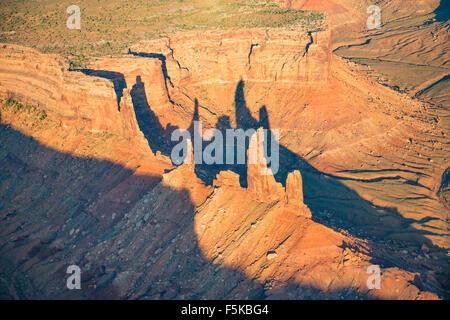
{"x": 195, "y": 117}
{"x": 156, "y": 135}
{"x": 161, "y": 58}
{"x": 443, "y": 11}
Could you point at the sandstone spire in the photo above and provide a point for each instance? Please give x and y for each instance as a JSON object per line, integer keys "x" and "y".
{"x": 263, "y": 186}
{"x": 294, "y": 195}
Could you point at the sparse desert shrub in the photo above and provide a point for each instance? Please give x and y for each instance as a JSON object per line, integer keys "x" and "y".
{"x": 16, "y": 107}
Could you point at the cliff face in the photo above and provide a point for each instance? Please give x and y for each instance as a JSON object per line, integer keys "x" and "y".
{"x": 170, "y": 69}
{"x": 253, "y": 55}
{"x": 43, "y": 80}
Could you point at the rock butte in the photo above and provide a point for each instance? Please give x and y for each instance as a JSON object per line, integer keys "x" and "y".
{"x": 143, "y": 228}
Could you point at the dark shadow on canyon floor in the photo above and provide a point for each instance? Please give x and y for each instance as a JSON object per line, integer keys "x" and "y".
{"x": 157, "y": 137}
{"x": 443, "y": 11}
{"x": 58, "y": 209}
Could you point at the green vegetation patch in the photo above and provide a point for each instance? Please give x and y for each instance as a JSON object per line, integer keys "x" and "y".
{"x": 13, "y": 106}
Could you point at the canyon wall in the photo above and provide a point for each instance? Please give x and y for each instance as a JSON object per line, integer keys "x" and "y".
{"x": 253, "y": 55}
{"x": 168, "y": 68}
